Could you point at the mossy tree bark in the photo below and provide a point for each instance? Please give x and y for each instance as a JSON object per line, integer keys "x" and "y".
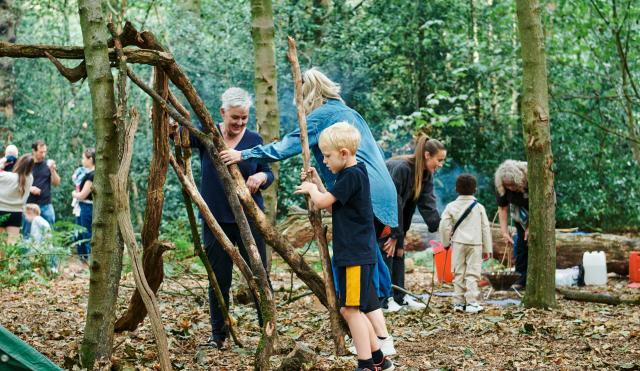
{"x": 265, "y": 84}
{"x": 106, "y": 262}
{"x": 537, "y": 138}
{"x": 8, "y": 20}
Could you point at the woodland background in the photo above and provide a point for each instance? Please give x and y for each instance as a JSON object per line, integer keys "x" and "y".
{"x": 451, "y": 67}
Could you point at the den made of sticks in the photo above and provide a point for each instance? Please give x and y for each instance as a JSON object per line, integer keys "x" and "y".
{"x": 403, "y": 202}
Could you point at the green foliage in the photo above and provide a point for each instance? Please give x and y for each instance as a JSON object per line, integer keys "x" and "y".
{"x": 27, "y": 260}
{"x": 405, "y": 66}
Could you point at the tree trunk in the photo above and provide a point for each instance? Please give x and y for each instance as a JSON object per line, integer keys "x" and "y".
{"x": 106, "y": 262}
{"x": 537, "y": 138}
{"x": 265, "y": 84}
{"x": 8, "y": 20}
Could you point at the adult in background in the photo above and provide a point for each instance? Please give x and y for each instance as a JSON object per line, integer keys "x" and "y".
{"x": 85, "y": 202}
{"x": 14, "y": 191}
{"x": 44, "y": 175}
{"x": 512, "y": 189}
{"x": 413, "y": 178}
{"x": 324, "y": 107}
{"x": 235, "y": 114}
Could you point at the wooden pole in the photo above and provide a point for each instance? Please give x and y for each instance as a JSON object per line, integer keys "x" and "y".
{"x": 213, "y": 281}
{"x": 314, "y": 214}
{"x": 119, "y": 184}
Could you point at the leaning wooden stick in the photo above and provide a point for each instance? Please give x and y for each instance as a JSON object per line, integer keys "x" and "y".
{"x": 314, "y": 214}
{"x": 213, "y": 281}
{"x": 119, "y": 184}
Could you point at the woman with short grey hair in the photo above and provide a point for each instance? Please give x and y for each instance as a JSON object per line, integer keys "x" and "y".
{"x": 512, "y": 190}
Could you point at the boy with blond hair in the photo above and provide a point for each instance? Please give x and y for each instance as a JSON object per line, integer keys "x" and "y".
{"x": 465, "y": 226}
{"x": 354, "y": 239}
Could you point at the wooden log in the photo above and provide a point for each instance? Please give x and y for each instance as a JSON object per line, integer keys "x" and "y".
{"x": 569, "y": 246}
{"x": 596, "y": 298}
{"x": 137, "y": 56}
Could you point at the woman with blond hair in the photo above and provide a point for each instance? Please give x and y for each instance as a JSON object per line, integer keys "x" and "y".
{"x": 512, "y": 189}
{"x": 413, "y": 178}
{"x": 14, "y": 191}
{"x": 324, "y": 107}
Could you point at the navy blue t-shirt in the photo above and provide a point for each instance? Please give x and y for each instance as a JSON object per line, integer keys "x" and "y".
{"x": 354, "y": 238}
{"x": 211, "y": 187}
{"x": 42, "y": 180}
{"x": 88, "y": 177}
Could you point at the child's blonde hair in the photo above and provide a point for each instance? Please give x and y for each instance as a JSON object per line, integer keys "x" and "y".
{"x": 33, "y": 209}
{"x": 340, "y": 135}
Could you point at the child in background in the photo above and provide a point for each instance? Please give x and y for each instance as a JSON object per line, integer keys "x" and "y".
{"x": 9, "y": 159}
{"x": 354, "y": 239}
{"x": 465, "y": 226}
{"x": 40, "y": 234}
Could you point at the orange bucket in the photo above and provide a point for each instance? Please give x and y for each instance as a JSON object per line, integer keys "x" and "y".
{"x": 634, "y": 266}
{"x": 442, "y": 262}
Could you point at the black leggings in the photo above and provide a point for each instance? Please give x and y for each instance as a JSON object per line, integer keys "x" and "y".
{"x": 223, "y": 267}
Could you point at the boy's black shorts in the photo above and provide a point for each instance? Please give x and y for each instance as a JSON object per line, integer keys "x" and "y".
{"x": 356, "y": 289}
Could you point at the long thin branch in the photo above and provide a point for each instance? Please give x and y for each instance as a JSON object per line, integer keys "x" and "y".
{"x": 604, "y": 128}
{"x": 315, "y": 217}
{"x": 119, "y": 184}
{"x": 213, "y": 281}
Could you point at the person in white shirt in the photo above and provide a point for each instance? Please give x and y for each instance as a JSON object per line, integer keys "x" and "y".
{"x": 14, "y": 190}
{"x": 465, "y": 227}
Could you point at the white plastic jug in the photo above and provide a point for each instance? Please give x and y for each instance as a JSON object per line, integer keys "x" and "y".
{"x": 595, "y": 268}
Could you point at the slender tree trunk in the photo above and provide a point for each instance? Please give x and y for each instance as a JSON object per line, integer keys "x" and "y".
{"x": 8, "y": 20}
{"x": 632, "y": 128}
{"x": 265, "y": 83}
{"x": 537, "y": 138}
{"x": 106, "y": 262}
{"x": 421, "y": 70}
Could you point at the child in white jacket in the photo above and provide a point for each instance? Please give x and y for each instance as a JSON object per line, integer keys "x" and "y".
{"x": 465, "y": 226}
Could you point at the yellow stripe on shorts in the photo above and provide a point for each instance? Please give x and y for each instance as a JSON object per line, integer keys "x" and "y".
{"x": 352, "y": 299}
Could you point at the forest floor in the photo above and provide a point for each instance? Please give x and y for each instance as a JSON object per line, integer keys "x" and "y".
{"x": 575, "y": 336}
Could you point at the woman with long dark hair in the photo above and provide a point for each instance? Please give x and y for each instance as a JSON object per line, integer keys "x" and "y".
{"x": 14, "y": 191}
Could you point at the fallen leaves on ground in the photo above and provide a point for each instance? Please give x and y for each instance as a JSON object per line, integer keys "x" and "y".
{"x": 575, "y": 335}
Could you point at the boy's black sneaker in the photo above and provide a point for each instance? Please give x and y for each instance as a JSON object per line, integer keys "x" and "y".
{"x": 367, "y": 369}
{"x": 385, "y": 365}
